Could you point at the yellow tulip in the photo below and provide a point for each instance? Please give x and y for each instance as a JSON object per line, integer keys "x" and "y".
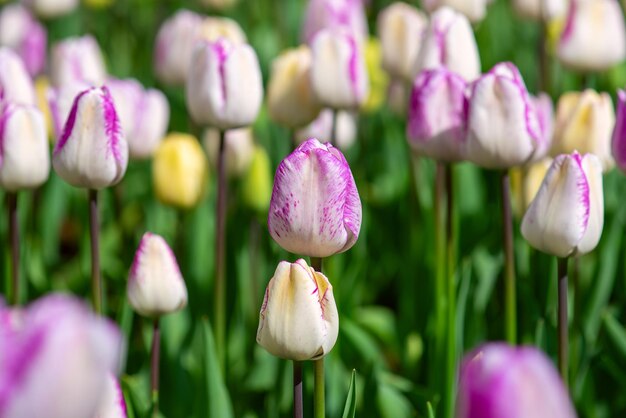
{"x": 42, "y": 85}
{"x": 377, "y": 76}
{"x": 256, "y": 188}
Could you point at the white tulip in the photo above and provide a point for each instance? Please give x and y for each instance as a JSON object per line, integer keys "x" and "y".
{"x": 77, "y": 60}
{"x": 16, "y": 85}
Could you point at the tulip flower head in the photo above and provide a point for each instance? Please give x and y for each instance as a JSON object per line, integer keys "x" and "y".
{"x": 298, "y": 319}
{"x": 112, "y": 404}
{"x": 619, "y": 133}
{"x": 567, "y": 215}
{"x": 533, "y": 177}
{"x": 338, "y": 73}
{"x": 16, "y": 85}
{"x": 21, "y": 32}
{"x": 290, "y": 98}
{"x": 179, "y": 171}
{"x": 321, "y": 127}
{"x": 37, "y": 376}
{"x": 238, "y": 149}
{"x": 224, "y": 88}
{"x": 51, "y": 8}
{"x": 545, "y": 117}
{"x": 437, "y": 115}
{"x": 214, "y": 28}
{"x": 315, "y": 208}
{"x": 345, "y": 15}
{"x": 256, "y": 187}
{"x": 155, "y": 283}
{"x": 584, "y": 123}
{"x": 501, "y": 381}
{"x": 503, "y": 126}
{"x": 24, "y": 152}
{"x": 401, "y": 28}
{"x": 449, "y": 42}
{"x": 60, "y": 101}
{"x": 474, "y": 10}
{"x": 92, "y": 152}
{"x": 594, "y": 37}
{"x": 77, "y": 60}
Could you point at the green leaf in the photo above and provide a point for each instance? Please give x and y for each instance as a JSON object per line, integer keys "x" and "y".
{"x": 350, "y": 409}
{"x": 616, "y": 333}
{"x": 218, "y": 399}
{"x": 431, "y": 413}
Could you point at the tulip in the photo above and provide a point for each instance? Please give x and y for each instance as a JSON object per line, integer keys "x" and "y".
{"x": 567, "y": 214}
{"x": 315, "y": 208}
{"x": 503, "y": 126}
{"x": 584, "y": 123}
{"x": 545, "y": 117}
{"x": 60, "y": 102}
{"x": 42, "y": 93}
{"x": 474, "y": 10}
{"x": 21, "y": 32}
{"x": 290, "y": 99}
{"x": 179, "y": 171}
{"x": 112, "y": 404}
{"x": 594, "y": 38}
{"x": 619, "y": 133}
{"x": 449, "y": 42}
{"x": 144, "y": 115}
{"x": 16, "y": 85}
{"x": 437, "y": 115}
{"x": 378, "y": 78}
{"x": 92, "y": 152}
{"x": 298, "y": 319}
{"x": 338, "y": 73}
{"x": 398, "y": 97}
{"x": 540, "y": 10}
{"x": 24, "y": 152}
{"x": 401, "y": 28}
{"x": 213, "y": 29}
{"x": 77, "y": 60}
{"x": 502, "y": 381}
{"x": 239, "y": 149}
{"x": 535, "y": 173}
{"x": 345, "y": 132}
{"x": 224, "y": 88}
{"x": 37, "y": 376}
{"x": 155, "y": 283}
{"x": 348, "y": 15}
{"x": 256, "y": 188}
{"x": 51, "y": 8}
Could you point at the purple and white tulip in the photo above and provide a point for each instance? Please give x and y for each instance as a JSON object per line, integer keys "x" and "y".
{"x": 545, "y": 116}
{"x": 474, "y": 10}
{"x": 566, "y": 216}
{"x": 338, "y": 73}
{"x": 503, "y": 126}
{"x": 60, "y": 102}
{"x": 437, "y": 115}
{"x": 315, "y": 208}
{"x": 619, "y": 133}
{"x": 92, "y": 151}
{"x": 501, "y": 381}
{"x": 112, "y": 404}
{"x": 224, "y": 87}
{"x": 144, "y": 115}
{"x": 346, "y": 15}
{"x": 16, "y": 86}
{"x": 24, "y": 149}
{"x": 77, "y": 60}
{"x": 298, "y": 319}
{"x": 21, "y": 32}
{"x": 449, "y": 42}
{"x": 155, "y": 283}
{"x": 51, "y": 8}
{"x": 594, "y": 37}
{"x": 401, "y": 29}
{"x": 55, "y": 359}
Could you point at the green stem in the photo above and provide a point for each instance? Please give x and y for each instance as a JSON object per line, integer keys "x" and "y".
{"x": 220, "y": 253}
{"x": 562, "y": 319}
{"x": 450, "y": 389}
{"x": 510, "y": 298}
{"x": 154, "y": 362}
{"x": 298, "y": 410}
{"x": 333, "y": 128}
{"x": 316, "y": 263}
{"x": 320, "y": 406}
{"x": 94, "y": 232}
{"x": 440, "y": 298}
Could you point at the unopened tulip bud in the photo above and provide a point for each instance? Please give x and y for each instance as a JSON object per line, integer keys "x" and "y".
{"x": 92, "y": 151}
{"x": 501, "y": 381}
{"x": 474, "y": 10}
{"x": 533, "y": 177}
{"x": 567, "y": 215}
{"x": 16, "y": 85}
{"x": 401, "y": 28}
{"x": 21, "y": 32}
{"x": 449, "y": 42}
{"x": 436, "y": 124}
{"x": 298, "y": 319}
{"x": 179, "y": 171}
{"x": 594, "y": 37}
{"x": 42, "y": 93}
{"x": 155, "y": 283}
{"x": 213, "y": 29}
{"x": 60, "y": 101}
{"x": 51, "y": 8}
{"x": 56, "y": 358}
{"x": 24, "y": 151}
{"x": 112, "y": 404}
{"x": 290, "y": 98}
{"x": 584, "y": 123}
{"x": 315, "y": 208}
{"x": 540, "y": 10}
{"x": 503, "y": 127}
{"x": 377, "y": 77}
{"x": 346, "y": 15}
{"x": 224, "y": 88}
{"x": 619, "y": 133}
{"x": 77, "y": 60}
{"x": 345, "y": 131}
{"x": 338, "y": 73}
{"x": 256, "y": 188}
{"x": 239, "y": 148}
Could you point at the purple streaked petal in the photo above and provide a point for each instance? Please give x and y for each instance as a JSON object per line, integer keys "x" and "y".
{"x": 619, "y": 132}
{"x": 112, "y": 126}
{"x": 71, "y": 121}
